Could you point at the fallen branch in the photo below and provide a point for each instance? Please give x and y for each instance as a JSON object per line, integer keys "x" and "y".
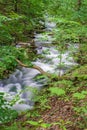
{"x": 56, "y": 77}
{"x": 35, "y": 67}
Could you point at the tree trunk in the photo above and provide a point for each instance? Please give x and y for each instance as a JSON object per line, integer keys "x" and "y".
{"x": 16, "y": 6}
{"x": 79, "y": 4}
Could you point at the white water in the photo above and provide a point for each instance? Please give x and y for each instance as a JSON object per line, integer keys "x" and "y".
{"x": 23, "y": 78}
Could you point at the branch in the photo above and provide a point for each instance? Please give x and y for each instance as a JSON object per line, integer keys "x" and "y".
{"x": 34, "y": 67}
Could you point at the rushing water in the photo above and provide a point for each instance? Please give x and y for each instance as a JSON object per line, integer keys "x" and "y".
{"x": 24, "y": 78}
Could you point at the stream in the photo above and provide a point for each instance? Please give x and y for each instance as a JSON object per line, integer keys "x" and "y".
{"x": 22, "y": 81}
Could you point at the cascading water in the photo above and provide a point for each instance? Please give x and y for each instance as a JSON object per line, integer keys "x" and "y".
{"x": 23, "y": 78}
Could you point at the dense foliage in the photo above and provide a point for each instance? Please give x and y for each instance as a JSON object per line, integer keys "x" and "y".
{"x": 6, "y": 114}
{"x": 8, "y": 56}
{"x": 18, "y": 18}
{"x": 71, "y": 17}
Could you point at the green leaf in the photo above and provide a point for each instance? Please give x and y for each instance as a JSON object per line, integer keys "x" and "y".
{"x": 57, "y": 91}
{"x": 33, "y": 123}
{"x": 45, "y": 125}
{"x": 84, "y": 92}
{"x": 79, "y": 95}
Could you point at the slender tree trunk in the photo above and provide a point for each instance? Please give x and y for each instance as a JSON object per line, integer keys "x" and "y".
{"x": 16, "y": 6}
{"x": 79, "y": 4}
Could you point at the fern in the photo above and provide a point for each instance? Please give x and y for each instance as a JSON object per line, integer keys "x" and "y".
{"x": 80, "y": 95}
{"x": 56, "y": 91}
